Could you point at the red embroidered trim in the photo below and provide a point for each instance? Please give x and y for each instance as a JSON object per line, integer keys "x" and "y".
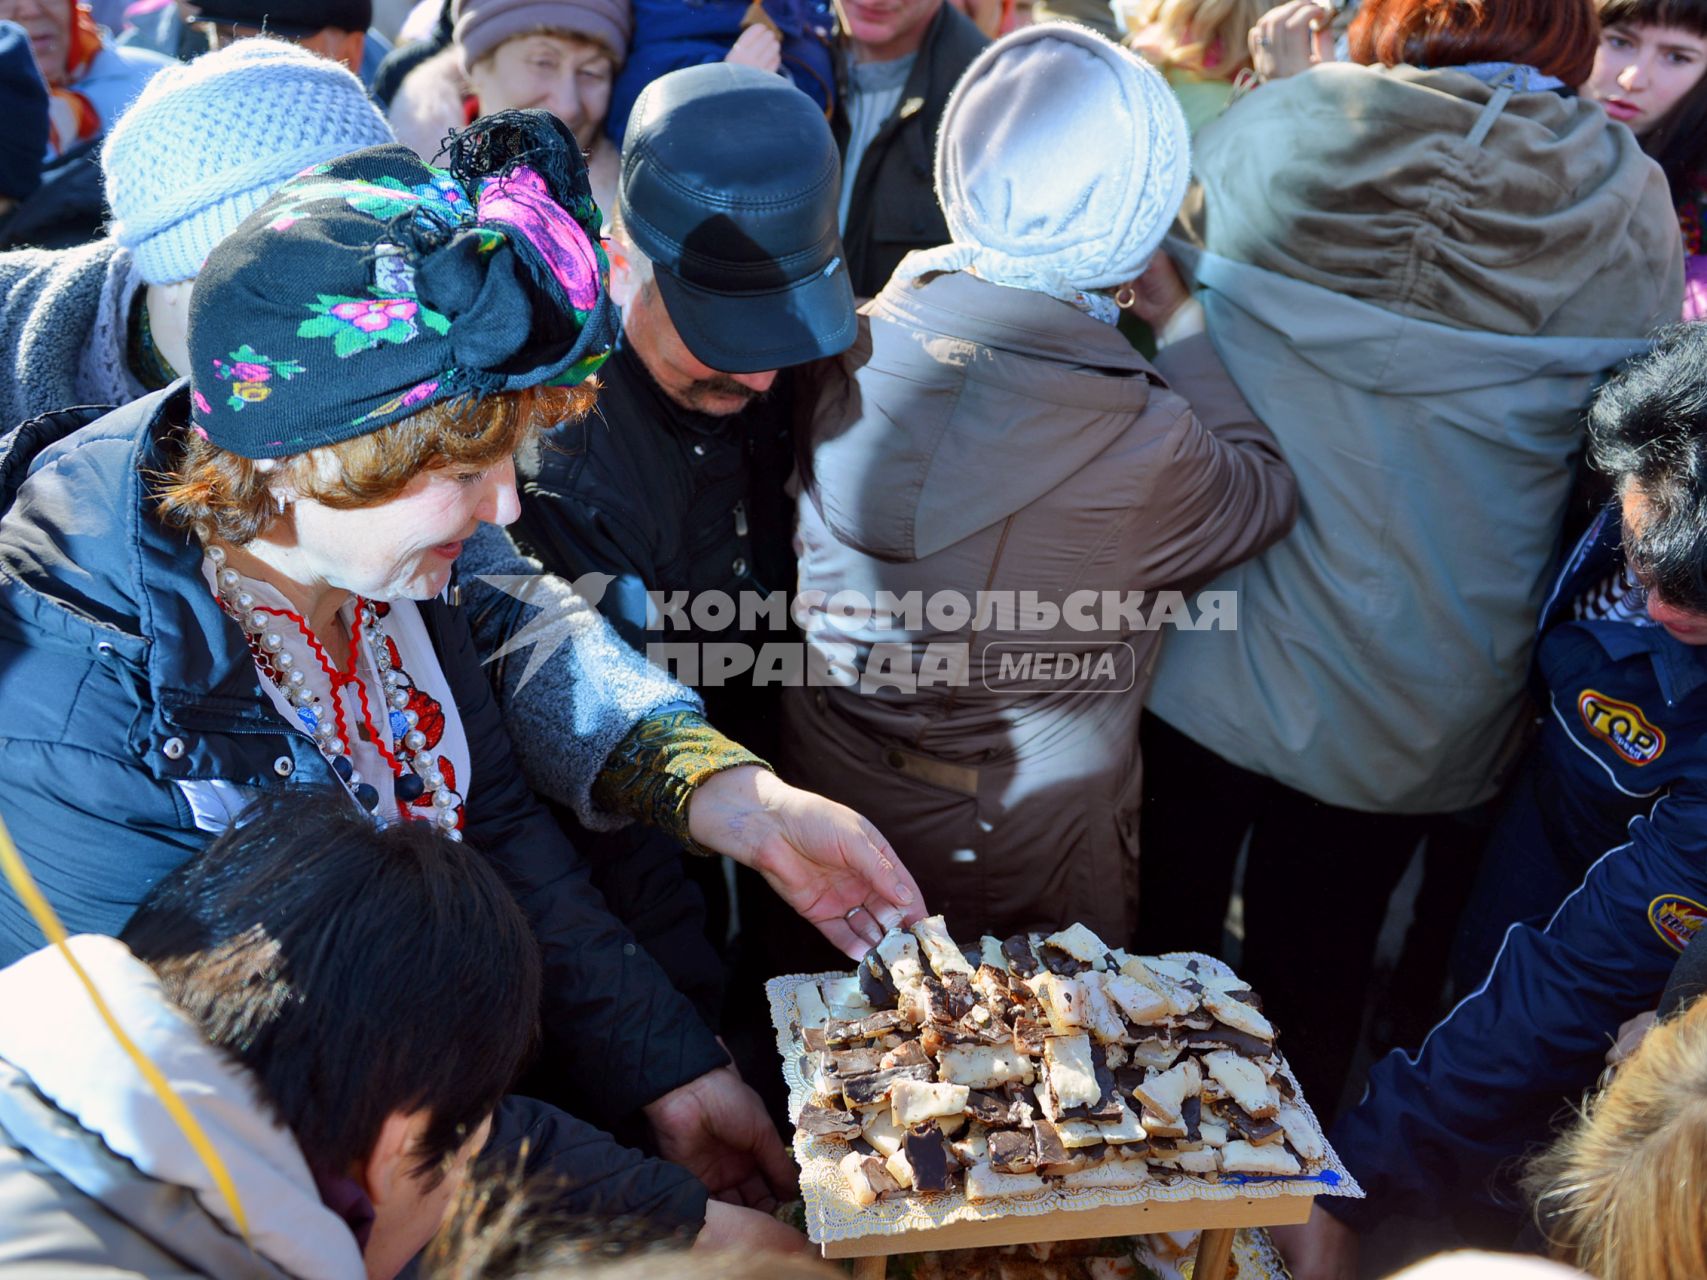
{"x": 338, "y": 679}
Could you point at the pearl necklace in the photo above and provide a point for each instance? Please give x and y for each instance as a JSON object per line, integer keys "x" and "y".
{"x": 415, "y": 769}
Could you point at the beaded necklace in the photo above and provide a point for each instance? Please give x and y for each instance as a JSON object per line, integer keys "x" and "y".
{"x": 415, "y": 769}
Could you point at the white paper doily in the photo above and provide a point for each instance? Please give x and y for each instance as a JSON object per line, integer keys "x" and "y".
{"x": 831, "y": 1213}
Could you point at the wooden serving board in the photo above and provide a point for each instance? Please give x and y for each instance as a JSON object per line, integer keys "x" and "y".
{"x": 1083, "y": 1224}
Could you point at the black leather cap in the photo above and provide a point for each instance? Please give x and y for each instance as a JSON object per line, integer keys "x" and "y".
{"x": 291, "y": 19}
{"x": 730, "y": 179}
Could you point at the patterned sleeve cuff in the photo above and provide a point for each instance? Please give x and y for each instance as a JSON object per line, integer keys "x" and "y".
{"x": 653, "y": 772}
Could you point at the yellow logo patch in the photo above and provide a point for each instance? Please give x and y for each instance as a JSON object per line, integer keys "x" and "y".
{"x": 1676, "y": 919}
{"x": 1622, "y": 726}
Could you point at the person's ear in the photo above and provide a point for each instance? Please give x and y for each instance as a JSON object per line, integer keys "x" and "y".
{"x": 280, "y": 492}
{"x": 386, "y": 1172}
{"x": 350, "y": 51}
{"x": 339, "y": 45}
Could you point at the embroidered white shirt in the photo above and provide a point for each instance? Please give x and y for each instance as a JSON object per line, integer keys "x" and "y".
{"x": 418, "y": 670}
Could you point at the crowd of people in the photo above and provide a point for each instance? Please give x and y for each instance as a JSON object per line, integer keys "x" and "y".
{"x": 520, "y": 519}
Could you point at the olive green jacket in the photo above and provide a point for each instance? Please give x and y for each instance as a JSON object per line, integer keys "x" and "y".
{"x": 1417, "y": 288}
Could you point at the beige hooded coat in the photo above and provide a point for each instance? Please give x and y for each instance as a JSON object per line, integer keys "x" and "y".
{"x": 1416, "y": 281}
{"x": 979, "y": 438}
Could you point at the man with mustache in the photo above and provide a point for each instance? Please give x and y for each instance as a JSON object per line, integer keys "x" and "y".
{"x": 730, "y": 274}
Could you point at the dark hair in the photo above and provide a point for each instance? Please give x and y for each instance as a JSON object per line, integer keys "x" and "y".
{"x": 1691, "y": 15}
{"x": 1679, "y": 141}
{"x": 1557, "y": 37}
{"x": 355, "y": 971}
{"x": 1648, "y": 428}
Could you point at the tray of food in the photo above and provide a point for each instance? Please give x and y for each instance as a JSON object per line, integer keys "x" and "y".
{"x": 943, "y": 1084}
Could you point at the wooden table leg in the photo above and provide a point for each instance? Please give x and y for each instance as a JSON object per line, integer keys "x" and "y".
{"x": 1214, "y": 1252}
{"x": 870, "y": 1268}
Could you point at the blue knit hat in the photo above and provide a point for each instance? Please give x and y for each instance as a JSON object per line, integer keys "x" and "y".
{"x": 206, "y": 143}
{"x": 23, "y": 105}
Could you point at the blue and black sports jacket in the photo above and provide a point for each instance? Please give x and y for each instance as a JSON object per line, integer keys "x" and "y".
{"x": 1624, "y": 758}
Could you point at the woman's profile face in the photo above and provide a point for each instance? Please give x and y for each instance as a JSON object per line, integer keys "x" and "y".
{"x": 402, "y": 548}
{"x": 1642, "y": 72}
{"x": 566, "y": 75}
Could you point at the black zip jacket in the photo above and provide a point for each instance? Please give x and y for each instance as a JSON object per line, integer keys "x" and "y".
{"x": 894, "y": 208}
{"x": 667, "y": 500}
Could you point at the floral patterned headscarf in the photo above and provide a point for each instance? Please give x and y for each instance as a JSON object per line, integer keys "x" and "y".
{"x": 375, "y": 285}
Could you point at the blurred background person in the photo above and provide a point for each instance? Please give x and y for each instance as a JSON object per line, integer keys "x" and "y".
{"x": 791, "y": 38}
{"x": 1650, "y": 73}
{"x": 561, "y": 56}
{"x": 23, "y": 103}
{"x": 1199, "y": 45}
{"x": 90, "y": 82}
{"x": 336, "y": 29}
{"x": 900, "y": 61}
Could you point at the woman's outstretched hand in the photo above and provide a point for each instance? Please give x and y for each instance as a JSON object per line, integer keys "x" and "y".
{"x": 828, "y": 863}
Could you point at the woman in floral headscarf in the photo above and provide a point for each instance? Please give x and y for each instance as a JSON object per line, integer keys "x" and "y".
{"x": 237, "y": 586}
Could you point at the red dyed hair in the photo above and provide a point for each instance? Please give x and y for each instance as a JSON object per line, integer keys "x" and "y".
{"x": 1557, "y": 37}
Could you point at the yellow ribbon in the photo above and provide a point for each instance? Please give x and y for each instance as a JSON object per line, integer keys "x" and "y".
{"x": 25, "y": 886}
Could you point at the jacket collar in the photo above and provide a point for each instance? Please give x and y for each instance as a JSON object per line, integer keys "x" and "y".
{"x": 1679, "y": 668}
{"x": 174, "y": 594}
{"x": 85, "y": 565}
{"x": 1018, "y": 321}
{"x": 52, "y": 1036}
{"x": 625, "y": 368}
